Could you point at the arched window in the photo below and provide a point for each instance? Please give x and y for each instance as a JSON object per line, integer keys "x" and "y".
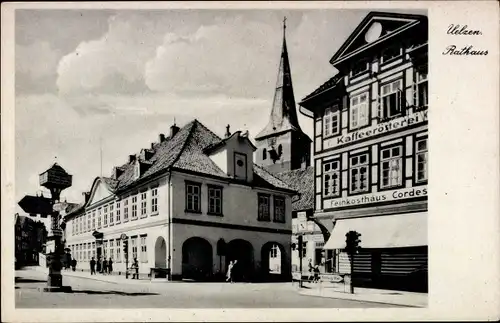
{"x": 264, "y": 154}
{"x": 280, "y": 150}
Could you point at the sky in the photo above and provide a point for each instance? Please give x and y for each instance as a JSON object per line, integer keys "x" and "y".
{"x": 116, "y": 79}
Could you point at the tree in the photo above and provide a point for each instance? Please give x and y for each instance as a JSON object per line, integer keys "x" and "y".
{"x": 352, "y": 242}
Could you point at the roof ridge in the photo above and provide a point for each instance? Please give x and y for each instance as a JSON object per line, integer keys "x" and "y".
{"x": 192, "y": 124}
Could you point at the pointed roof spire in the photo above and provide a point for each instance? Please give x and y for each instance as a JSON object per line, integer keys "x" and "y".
{"x": 283, "y": 112}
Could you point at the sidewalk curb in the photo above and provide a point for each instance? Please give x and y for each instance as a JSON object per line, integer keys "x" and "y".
{"x": 69, "y": 274}
{"x": 362, "y": 299}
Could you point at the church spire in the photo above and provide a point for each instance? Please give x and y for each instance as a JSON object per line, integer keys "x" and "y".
{"x": 283, "y": 112}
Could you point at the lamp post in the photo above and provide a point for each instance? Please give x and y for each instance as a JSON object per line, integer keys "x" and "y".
{"x": 55, "y": 179}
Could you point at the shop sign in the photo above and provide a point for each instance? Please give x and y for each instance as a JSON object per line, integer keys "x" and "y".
{"x": 378, "y": 197}
{"x": 381, "y": 128}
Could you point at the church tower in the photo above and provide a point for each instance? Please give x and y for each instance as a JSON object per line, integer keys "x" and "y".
{"x": 282, "y": 145}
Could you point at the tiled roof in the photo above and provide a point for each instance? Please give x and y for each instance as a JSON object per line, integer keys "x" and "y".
{"x": 302, "y": 181}
{"x": 185, "y": 151}
{"x": 328, "y": 84}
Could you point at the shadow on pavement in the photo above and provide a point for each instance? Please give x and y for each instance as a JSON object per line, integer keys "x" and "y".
{"x": 95, "y": 292}
{"x": 28, "y": 280}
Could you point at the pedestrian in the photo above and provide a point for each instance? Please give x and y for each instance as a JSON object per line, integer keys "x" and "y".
{"x": 73, "y": 264}
{"x": 230, "y": 271}
{"x": 104, "y": 266}
{"x": 110, "y": 266}
{"x": 99, "y": 264}
{"x": 311, "y": 271}
{"x": 316, "y": 274}
{"x": 135, "y": 266}
{"x": 92, "y": 266}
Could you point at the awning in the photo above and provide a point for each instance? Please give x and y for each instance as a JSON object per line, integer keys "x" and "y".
{"x": 385, "y": 231}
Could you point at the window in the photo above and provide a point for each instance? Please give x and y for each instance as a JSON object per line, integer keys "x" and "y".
{"x": 359, "y": 172}
{"x": 89, "y": 221}
{"x": 89, "y": 251}
{"x": 144, "y": 253}
{"x": 134, "y": 207}
{"x": 93, "y": 220}
{"x": 154, "y": 201}
{"x": 359, "y": 67}
{"x": 264, "y": 154}
{"x": 84, "y": 219}
{"x": 264, "y": 208}
{"x": 215, "y": 200}
{"x": 73, "y": 227}
{"x": 421, "y": 161}
{"x": 391, "y": 167}
{"x": 111, "y": 214}
{"x": 279, "y": 209}
{"x": 118, "y": 250}
{"x": 111, "y": 249}
{"x": 391, "y": 100}
{"x": 93, "y": 249}
{"x": 193, "y": 194}
{"x": 274, "y": 251}
{"x": 331, "y": 178}
{"x": 390, "y": 53}
{"x": 118, "y": 211}
{"x": 422, "y": 88}
{"x": 105, "y": 215}
{"x": 134, "y": 247}
{"x": 125, "y": 210}
{"x": 144, "y": 204}
{"x": 359, "y": 111}
{"x": 84, "y": 252}
{"x": 99, "y": 217}
{"x": 331, "y": 122}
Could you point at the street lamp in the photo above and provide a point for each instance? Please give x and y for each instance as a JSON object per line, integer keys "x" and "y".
{"x": 55, "y": 179}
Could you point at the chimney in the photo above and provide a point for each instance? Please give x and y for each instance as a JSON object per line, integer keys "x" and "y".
{"x": 162, "y": 137}
{"x": 228, "y": 133}
{"x": 173, "y": 130}
{"x": 131, "y": 158}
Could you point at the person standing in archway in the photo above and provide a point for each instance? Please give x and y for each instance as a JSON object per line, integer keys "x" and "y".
{"x": 230, "y": 271}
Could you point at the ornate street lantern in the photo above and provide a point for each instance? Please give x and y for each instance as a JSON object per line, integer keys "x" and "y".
{"x": 55, "y": 179}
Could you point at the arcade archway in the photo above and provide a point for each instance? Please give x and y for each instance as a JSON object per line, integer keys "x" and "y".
{"x": 241, "y": 251}
{"x": 197, "y": 259}
{"x": 274, "y": 265}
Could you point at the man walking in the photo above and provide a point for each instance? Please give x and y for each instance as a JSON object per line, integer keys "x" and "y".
{"x": 110, "y": 266}
{"x": 92, "y": 266}
{"x": 73, "y": 264}
{"x": 135, "y": 266}
{"x": 104, "y": 266}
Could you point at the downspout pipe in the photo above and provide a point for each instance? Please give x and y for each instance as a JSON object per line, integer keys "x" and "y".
{"x": 169, "y": 223}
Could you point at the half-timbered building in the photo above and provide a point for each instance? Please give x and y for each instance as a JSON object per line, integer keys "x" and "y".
{"x": 371, "y": 151}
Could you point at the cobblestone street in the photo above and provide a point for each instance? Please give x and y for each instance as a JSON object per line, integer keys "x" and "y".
{"x": 90, "y": 293}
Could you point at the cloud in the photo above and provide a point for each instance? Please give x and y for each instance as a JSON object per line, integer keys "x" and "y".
{"x": 232, "y": 57}
{"x": 36, "y": 67}
{"x": 113, "y": 63}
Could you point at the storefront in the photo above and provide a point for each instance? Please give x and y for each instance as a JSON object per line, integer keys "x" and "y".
{"x": 393, "y": 251}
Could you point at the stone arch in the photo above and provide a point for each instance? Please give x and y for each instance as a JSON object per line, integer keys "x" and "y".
{"x": 197, "y": 259}
{"x": 242, "y": 251}
{"x": 267, "y": 273}
{"x": 160, "y": 253}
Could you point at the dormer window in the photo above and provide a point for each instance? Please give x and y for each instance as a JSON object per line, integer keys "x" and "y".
{"x": 240, "y": 166}
{"x": 137, "y": 170}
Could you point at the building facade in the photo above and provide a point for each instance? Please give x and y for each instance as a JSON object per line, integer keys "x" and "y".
{"x": 285, "y": 150}
{"x": 190, "y": 203}
{"x": 371, "y": 151}
{"x": 30, "y": 239}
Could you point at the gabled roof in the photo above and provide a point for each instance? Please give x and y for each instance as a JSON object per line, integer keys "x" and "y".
{"x": 186, "y": 151}
{"x": 302, "y": 181}
{"x": 392, "y": 24}
{"x": 332, "y": 82}
{"x": 283, "y": 112}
